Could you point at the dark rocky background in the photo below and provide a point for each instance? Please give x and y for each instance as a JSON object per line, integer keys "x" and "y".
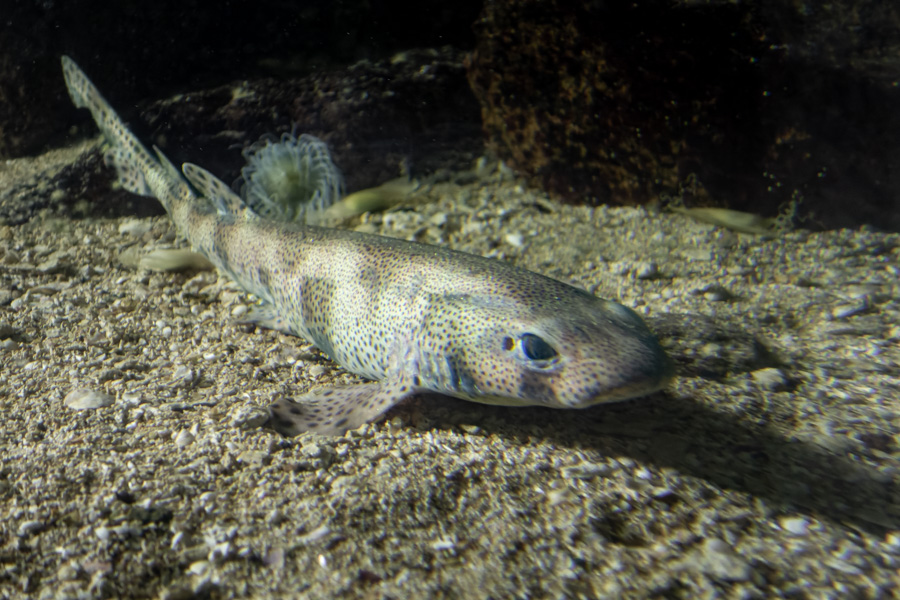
{"x": 743, "y": 104}
{"x": 148, "y": 50}
{"x": 726, "y": 103}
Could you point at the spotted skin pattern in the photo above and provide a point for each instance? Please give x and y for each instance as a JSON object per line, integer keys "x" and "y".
{"x": 408, "y": 316}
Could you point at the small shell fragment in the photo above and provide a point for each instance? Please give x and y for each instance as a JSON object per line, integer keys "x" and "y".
{"x": 85, "y": 398}
{"x": 135, "y": 227}
{"x": 184, "y": 438}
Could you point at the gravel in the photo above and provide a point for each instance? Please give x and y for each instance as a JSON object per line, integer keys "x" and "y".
{"x": 768, "y": 469}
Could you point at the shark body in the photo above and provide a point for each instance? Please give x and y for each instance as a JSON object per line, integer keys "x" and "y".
{"x": 408, "y": 316}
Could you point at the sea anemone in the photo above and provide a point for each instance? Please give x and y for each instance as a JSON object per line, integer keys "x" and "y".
{"x": 291, "y": 180}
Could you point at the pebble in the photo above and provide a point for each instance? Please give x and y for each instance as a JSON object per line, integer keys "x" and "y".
{"x": 220, "y": 552}
{"x": 324, "y": 453}
{"x": 315, "y": 535}
{"x": 514, "y": 239}
{"x": 643, "y": 473}
{"x": 11, "y": 257}
{"x": 715, "y": 293}
{"x": 109, "y": 375}
{"x": 67, "y": 573}
{"x": 253, "y": 457}
{"x": 198, "y": 568}
{"x": 127, "y": 531}
{"x": 86, "y": 398}
{"x": 132, "y": 399}
{"x": 7, "y": 330}
{"x": 845, "y": 311}
{"x": 646, "y": 270}
{"x": 698, "y": 254}
{"x": 770, "y": 379}
{"x": 443, "y": 544}
{"x": 795, "y": 525}
{"x": 184, "y": 438}
{"x": 249, "y": 417}
{"x": 585, "y": 471}
{"x": 51, "y": 266}
{"x": 719, "y": 560}
{"x": 557, "y": 497}
{"x": 177, "y": 592}
{"x": 843, "y": 566}
{"x": 177, "y": 539}
{"x": 274, "y": 558}
{"x": 29, "y": 527}
{"x": 135, "y": 227}
{"x": 275, "y": 517}
{"x": 183, "y": 376}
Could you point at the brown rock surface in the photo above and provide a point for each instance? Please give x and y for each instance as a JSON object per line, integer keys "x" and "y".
{"x": 154, "y": 49}
{"x": 759, "y": 102}
{"x": 414, "y": 109}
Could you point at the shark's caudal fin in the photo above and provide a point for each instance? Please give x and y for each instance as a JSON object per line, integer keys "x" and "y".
{"x": 138, "y": 170}
{"x": 141, "y": 172}
{"x": 131, "y": 160}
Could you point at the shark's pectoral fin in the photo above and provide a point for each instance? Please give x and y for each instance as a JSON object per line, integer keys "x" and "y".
{"x": 267, "y": 316}
{"x": 333, "y": 411}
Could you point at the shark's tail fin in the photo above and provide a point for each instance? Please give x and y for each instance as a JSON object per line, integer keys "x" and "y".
{"x": 142, "y": 173}
{"x": 138, "y": 170}
{"x": 127, "y": 155}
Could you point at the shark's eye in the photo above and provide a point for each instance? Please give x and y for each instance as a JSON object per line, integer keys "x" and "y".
{"x": 535, "y": 348}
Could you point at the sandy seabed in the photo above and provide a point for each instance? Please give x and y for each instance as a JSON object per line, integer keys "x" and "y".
{"x": 768, "y": 469}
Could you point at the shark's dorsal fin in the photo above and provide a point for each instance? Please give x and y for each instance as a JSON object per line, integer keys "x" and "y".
{"x": 214, "y": 189}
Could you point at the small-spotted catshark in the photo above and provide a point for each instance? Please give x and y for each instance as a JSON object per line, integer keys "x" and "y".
{"x": 411, "y": 317}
